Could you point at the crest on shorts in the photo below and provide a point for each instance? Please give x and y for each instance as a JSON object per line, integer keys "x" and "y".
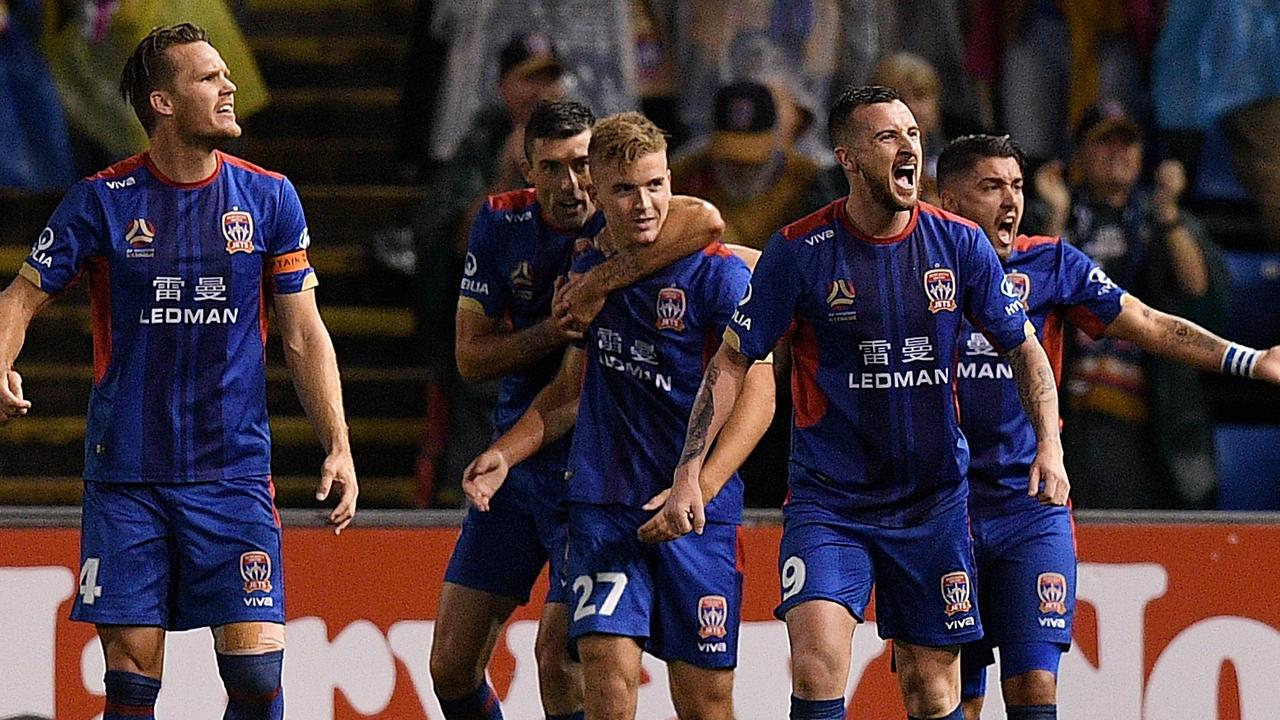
{"x": 713, "y": 613}
{"x": 1020, "y": 284}
{"x": 671, "y": 307}
{"x": 1051, "y": 588}
{"x": 140, "y": 234}
{"x": 237, "y": 228}
{"x": 255, "y": 568}
{"x": 940, "y": 286}
{"x": 955, "y": 592}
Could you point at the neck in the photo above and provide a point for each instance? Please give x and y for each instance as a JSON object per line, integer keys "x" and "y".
{"x": 872, "y": 218}
{"x": 182, "y": 162}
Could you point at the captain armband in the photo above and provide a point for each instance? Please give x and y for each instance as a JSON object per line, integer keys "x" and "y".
{"x": 1240, "y": 360}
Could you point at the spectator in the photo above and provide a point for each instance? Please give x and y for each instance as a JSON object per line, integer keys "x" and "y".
{"x": 487, "y": 163}
{"x": 37, "y": 152}
{"x": 1138, "y": 434}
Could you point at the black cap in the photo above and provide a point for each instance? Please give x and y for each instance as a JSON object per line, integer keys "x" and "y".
{"x": 528, "y": 53}
{"x": 1107, "y": 118}
{"x": 745, "y": 122}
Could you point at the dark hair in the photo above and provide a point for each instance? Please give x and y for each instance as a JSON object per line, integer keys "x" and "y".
{"x": 961, "y": 154}
{"x": 149, "y": 68}
{"x": 851, "y": 99}
{"x": 556, "y": 120}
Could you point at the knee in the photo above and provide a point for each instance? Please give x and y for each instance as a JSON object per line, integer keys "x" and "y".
{"x": 818, "y": 673}
{"x": 928, "y": 689}
{"x": 552, "y": 654}
{"x": 451, "y": 675}
{"x": 709, "y": 700}
{"x": 1035, "y": 687}
{"x": 250, "y": 659}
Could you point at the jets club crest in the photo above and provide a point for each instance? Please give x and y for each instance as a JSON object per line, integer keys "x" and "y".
{"x": 713, "y": 613}
{"x": 237, "y": 228}
{"x": 1051, "y": 588}
{"x": 955, "y": 592}
{"x": 1019, "y": 286}
{"x": 671, "y": 307}
{"x": 255, "y": 570}
{"x": 940, "y": 287}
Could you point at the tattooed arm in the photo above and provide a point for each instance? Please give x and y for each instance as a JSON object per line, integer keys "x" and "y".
{"x": 1039, "y": 396}
{"x": 1181, "y": 340}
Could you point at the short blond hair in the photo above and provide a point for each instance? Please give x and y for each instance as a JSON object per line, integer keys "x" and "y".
{"x": 909, "y": 74}
{"x": 621, "y": 139}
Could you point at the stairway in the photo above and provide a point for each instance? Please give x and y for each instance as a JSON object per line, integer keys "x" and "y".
{"x": 333, "y": 69}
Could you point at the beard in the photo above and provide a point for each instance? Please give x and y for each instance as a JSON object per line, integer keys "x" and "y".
{"x": 883, "y": 195}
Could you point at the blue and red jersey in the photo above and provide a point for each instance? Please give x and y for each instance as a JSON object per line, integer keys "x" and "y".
{"x": 873, "y": 325}
{"x": 179, "y": 276}
{"x": 645, "y": 354}
{"x": 513, "y": 260}
{"x": 1056, "y": 282}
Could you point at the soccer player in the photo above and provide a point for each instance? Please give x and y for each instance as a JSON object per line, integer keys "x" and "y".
{"x": 183, "y": 246}
{"x": 873, "y": 289}
{"x": 1026, "y": 551}
{"x": 636, "y": 379}
{"x": 521, "y": 242}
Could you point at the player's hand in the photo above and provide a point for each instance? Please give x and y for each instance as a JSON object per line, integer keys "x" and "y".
{"x": 1048, "y": 482}
{"x": 682, "y": 510}
{"x": 12, "y": 403}
{"x": 1051, "y": 187}
{"x": 562, "y": 324}
{"x": 483, "y": 477}
{"x": 1268, "y": 367}
{"x": 579, "y": 301}
{"x": 339, "y": 469}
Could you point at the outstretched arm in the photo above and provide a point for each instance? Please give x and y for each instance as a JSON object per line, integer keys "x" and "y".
{"x": 1181, "y": 340}
{"x": 19, "y": 303}
{"x": 313, "y": 366}
{"x": 691, "y": 225}
{"x": 1039, "y": 396}
{"x": 486, "y": 350}
{"x": 550, "y": 416}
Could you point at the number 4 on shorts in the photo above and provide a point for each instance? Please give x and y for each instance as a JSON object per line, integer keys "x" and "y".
{"x": 89, "y": 587}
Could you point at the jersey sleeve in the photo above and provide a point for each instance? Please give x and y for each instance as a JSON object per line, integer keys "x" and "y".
{"x": 768, "y": 304}
{"x": 484, "y": 284}
{"x": 584, "y": 259}
{"x": 72, "y": 236}
{"x": 728, "y": 286}
{"x": 287, "y": 246}
{"x": 1092, "y": 300}
{"x": 991, "y": 302}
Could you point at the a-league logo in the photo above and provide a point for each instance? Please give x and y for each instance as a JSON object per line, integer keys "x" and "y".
{"x": 940, "y": 286}
{"x": 237, "y": 228}
{"x": 955, "y": 592}
{"x": 255, "y": 568}
{"x": 713, "y": 613}
{"x": 1051, "y": 588}
{"x": 671, "y": 307}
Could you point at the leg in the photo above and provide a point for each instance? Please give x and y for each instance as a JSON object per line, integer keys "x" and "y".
{"x": 820, "y": 633}
{"x": 135, "y": 659}
{"x": 975, "y": 658}
{"x": 701, "y": 693}
{"x": 250, "y": 661}
{"x": 467, "y": 627}
{"x": 1029, "y": 679}
{"x": 559, "y": 677}
{"x": 929, "y": 678}
{"x": 613, "y": 664}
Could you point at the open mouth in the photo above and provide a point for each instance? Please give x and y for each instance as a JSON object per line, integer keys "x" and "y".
{"x": 904, "y": 175}
{"x": 226, "y": 109}
{"x": 1005, "y": 229}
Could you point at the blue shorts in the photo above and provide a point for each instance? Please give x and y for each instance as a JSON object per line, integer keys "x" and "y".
{"x": 179, "y": 555}
{"x": 681, "y": 599}
{"x": 923, "y": 575}
{"x": 1026, "y": 582}
{"x": 502, "y": 551}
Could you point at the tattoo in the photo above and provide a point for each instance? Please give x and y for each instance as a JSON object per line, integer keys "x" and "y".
{"x": 1183, "y": 333}
{"x": 619, "y": 271}
{"x": 1034, "y": 389}
{"x": 704, "y": 406}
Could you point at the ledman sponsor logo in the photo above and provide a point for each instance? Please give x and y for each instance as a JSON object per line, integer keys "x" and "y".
{"x": 905, "y": 378}
{"x": 188, "y": 316}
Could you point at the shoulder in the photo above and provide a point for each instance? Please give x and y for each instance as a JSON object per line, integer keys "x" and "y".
{"x": 1037, "y": 248}
{"x": 514, "y": 206}
{"x": 816, "y": 226}
{"x": 240, "y": 165}
{"x": 119, "y": 171}
{"x": 934, "y": 215}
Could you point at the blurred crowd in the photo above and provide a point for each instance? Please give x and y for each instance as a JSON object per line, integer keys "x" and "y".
{"x": 1134, "y": 115}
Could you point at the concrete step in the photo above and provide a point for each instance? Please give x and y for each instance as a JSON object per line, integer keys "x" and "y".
{"x": 336, "y": 61}
{"x": 295, "y": 491}
{"x": 317, "y": 112}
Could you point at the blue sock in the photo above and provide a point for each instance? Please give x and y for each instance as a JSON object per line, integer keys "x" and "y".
{"x": 957, "y": 714}
{"x": 817, "y": 709}
{"x": 253, "y": 686}
{"x": 130, "y": 696}
{"x": 1031, "y": 712}
{"x": 481, "y": 704}
{"x": 580, "y": 715}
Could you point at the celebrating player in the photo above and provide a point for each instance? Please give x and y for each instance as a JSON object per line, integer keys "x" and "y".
{"x": 521, "y": 242}
{"x": 874, "y": 287}
{"x": 644, "y": 355}
{"x": 1025, "y": 551}
{"x": 178, "y": 529}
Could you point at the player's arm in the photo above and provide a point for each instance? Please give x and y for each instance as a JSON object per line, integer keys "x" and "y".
{"x": 692, "y": 224}
{"x": 1038, "y": 394}
{"x": 746, "y": 424}
{"x": 19, "y": 304}
{"x": 313, "y": 366}
{"x": 550, "y": 416}
{"x": 486, "y": 349}
{"x": 1181, "y": 340}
